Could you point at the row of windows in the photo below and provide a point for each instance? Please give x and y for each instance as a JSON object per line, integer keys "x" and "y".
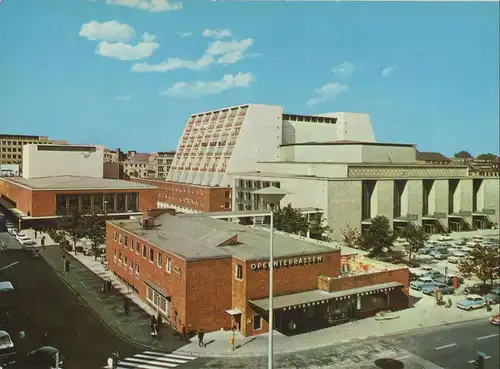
{"x": 13, "y": 149}
{"x": 141, "y": 249}
{"x": 111, "y": 202}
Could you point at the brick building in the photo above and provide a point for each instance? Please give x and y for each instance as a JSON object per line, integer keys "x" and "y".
{"x": 189, "y": 198}
{"x": 206, "y": 273}
{"x": 37, "y": 200}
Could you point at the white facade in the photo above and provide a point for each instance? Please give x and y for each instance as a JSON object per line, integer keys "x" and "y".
{"x": 62, "y": 160}
{"x": 217, "y": 143}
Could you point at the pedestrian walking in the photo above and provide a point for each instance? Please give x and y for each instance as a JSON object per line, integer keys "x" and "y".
{"x": 126, "y": 306}
{"x": 159, "y": 322}
{"x": 42, "y": 241}
{"x": 201, "y": 334}
{"x": 116, "y": 358}
{"x": 36, "y": 234}
{"x": 183, "y": 336}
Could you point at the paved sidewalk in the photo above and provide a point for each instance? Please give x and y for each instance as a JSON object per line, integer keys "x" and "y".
{"x": 423, "y": 315}
{"x": 86, "y": 278}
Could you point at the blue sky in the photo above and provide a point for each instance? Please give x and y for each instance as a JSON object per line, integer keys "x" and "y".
{"x": 128, "y": 73}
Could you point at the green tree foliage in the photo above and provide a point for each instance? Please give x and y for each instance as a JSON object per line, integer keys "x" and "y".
{"x": 352, "y": 237}
{"x": 71, "y": 226}
{"x": 483, "y": 263}
{"x": 487, "y": 157}
{"x": 415, "y": 237}
{"x": 463, "y": 155}
{"x": 379, "y": 237}
{"x": 290, "y": 220}
{"x": 95, "y": 230}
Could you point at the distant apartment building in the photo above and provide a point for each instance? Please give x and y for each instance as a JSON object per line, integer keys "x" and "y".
{"x": 11, "y": 146}
{"x": 432, "y": 158}
{"x": 160, "y": 163}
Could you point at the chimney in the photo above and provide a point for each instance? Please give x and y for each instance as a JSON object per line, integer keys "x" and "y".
{"x": 149, "y": 215}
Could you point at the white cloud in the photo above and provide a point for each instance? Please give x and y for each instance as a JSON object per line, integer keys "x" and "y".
{"x": 221, "y": 33}
{"x": 326, "y": 93}
{"x": 107, "y": 31}
{"x": 150, "y": 5}
{"x": 345, "y": 70}
{"x": 386, "y": 72}
{"x": 203, "y": 88}
{"x": 185, "y": 34}
{"x": 123, "y": 51}
{"x": 173, "y": 64}
{"x": 220, "y": 52}
{"x": 124, "y": 97}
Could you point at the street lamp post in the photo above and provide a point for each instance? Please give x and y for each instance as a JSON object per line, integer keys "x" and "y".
{"x": 272, "y": 196}
{"x": 105, "y": 210}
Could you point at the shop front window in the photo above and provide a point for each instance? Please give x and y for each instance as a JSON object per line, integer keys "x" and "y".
{"x": 98, "y": 203}
{"x": 132, "y": 199}
{"x": 374, "y": 302}
{"x": 121, "y": 203}
{"x": 86, "y": 203}
{"x": 61, "y": 204}
{"x": 73, "y": 201}
{"x": 109, "y": 199}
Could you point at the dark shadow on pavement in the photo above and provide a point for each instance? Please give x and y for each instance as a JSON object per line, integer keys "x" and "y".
{"x": 387, "y": 363}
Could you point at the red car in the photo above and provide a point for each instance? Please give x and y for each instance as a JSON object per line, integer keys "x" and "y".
{"x": 495, "y": 319}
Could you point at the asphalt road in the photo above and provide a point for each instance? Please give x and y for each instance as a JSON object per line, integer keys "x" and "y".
{"x": 43, "y": 303}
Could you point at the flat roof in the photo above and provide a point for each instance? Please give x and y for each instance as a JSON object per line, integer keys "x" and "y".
{"x": 198, "y": 238}
{"x": 347, "y": 142}
{"x": 245, "y": 213}
{"x": 75, "y": 183}
{"x": 280, "y": 302}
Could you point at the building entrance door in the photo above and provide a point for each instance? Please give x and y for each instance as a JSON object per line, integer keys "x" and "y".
{"x": 237, "y": 321}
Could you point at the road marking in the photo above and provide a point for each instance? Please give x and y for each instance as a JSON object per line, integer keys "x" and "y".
{"x": 445, "y": 346}
{"x": 485, "y": 337}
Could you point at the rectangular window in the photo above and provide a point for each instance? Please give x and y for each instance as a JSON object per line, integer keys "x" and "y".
{"x": 125, "y": 262}
{"x": 131, "y": 267}
{"x": 125, "y": 241}
{"x": 238, "y": 272}
{"x": 144, "y": 251}
{"x": 114, "y": 236}
{"x": 159, "y": 260}
{"x": 257, "y": 322}
{"x": 86, "y": 203}
{"x": 61, "y": 204}
{"x": 137, "y": 247}
{"x": 137, "y": 271}
{"x": 120, "y": 238}
{"x": 121, "y": 206}
{"x": 168, "y": 265}
{"x": 114, "y": 256}
{"x": 151, "y": 255}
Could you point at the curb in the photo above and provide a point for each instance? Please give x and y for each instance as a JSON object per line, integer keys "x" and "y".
{"x": 109, "y": 327}
{"x": 317, "y": 347}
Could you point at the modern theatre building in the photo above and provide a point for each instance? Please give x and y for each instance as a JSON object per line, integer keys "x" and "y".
{"x": 207, "y": 273}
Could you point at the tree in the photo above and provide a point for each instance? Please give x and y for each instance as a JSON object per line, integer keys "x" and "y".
{"x": 379, "y": 237}
{"x": 352, "y": 237}
{"x": 317, "y": 228}
{"x": 415, "y": 237}
{"x": 463, "y": 155}
{"x": 95, "y": 230}
{"x": 71, "y": 226}
{"x": 483, "y": 262}
{"x": 487, "y": 157}
{"x": 290, "y": 220}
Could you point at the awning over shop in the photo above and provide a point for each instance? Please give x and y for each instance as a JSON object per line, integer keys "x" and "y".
{"x": 158, "y": 289}
{"x": 233, "y": 312}
{"x": 317, "y": 297}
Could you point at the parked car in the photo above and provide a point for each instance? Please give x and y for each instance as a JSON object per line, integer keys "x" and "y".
{"x": 7, "y": 350}
{"x": 438, "y": 250}
{"x": 12, "y": 231}
{"x": 46, "y": 357}
{"x": 461, "y": 242}
{"x": 421, "y": 282}
{"x": 21, "y": 240}
{"x": 478, "y": 289}
{"x": 425, "y": 250}
{"x": 441, "y": 255}
{"x": 437, "y": 286}
{"x": 471, "y": 302}
{"x": 493, "y": 296}
{"x": 434, "y": 274}
{"x": 456, "y": 257}
{"x": 445, "y": 237}
{"x": 20, "y": 235}
{"x": 495, "y": 319}
{"x": 448, "y": 280}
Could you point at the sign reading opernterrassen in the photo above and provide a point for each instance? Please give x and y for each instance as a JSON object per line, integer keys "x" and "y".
{"x": 288, "y": 262}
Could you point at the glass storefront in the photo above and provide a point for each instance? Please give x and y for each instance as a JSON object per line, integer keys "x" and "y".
{"x": 114, "y": 202}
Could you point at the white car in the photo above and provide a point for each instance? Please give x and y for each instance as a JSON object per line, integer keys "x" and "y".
{"x": 23, "y": 239}
{"x": 27, "y": 243}
{"x": 457, "y": 257}
{"x": 20, "y": 235}
{"x": 445, "y": 238}
{"x": 12, "y": 231}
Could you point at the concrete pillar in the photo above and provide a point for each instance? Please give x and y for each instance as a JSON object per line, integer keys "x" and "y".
{"x": 383, "y": 199}
{"x": 438, "y": 198}
{"x": 414, "y": 199}
{"x": 464, "y": 193}
{"x": 492, "y": 198}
